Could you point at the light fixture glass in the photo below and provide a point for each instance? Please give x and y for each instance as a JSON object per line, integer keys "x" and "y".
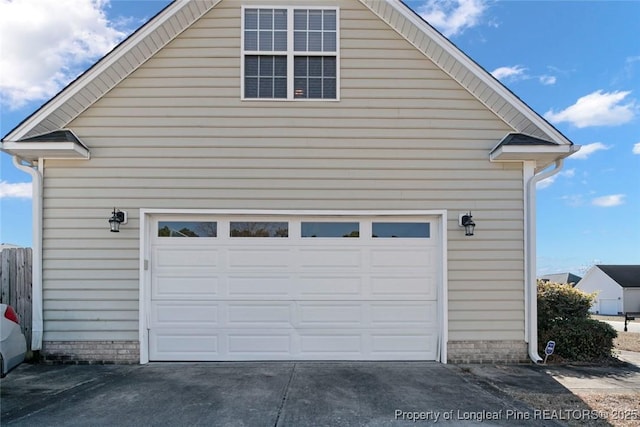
{"x": 468, "y": 224}
{"x": 117, "y": 218}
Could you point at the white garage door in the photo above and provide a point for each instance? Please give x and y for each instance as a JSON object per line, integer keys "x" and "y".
{"x": 277, "y": 288}
{"x": 609, "y": 306}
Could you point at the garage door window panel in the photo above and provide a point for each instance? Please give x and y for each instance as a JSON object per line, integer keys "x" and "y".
{"x": 187, "y": 229}
{"x": 411, "y": 230}
{"x": 259, "y": 229}
{"x": 330, "y": 229}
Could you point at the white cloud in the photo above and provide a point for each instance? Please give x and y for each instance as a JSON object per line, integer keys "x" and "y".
{"x": 15, "y": 190}
{"x": 608, "y": 201}
{"x": 509, "y": 73}
{"x": 545, "y": 183}
{"x": 596, "y": 109}
{"x": 47, "y": 43}
{"x": 547, "y": 80}
{"x": 518, "y": 72}
{"x": 588, "y": 150}
{"x": 452, "y": 17}
{"x": 636, "y": 148}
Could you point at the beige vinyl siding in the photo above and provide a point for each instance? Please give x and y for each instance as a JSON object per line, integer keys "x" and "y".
{"x": 175, "y": 134}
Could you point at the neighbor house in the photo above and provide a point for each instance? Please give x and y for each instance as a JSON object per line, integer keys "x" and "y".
{"x": 617, "y": 288}
{"x": 563, "y": 278}
{"x": 289, "y": 181}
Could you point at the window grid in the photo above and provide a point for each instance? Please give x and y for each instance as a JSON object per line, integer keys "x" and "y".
{"x": 322, "y": 23}
{"x": 314, "y": 77}
{"x": 265, "y": 30}
{"x": 314, "y": 30}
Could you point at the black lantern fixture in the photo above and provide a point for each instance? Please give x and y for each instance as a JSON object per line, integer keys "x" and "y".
{"x": 117, "y": 217}
{"x": 466, "y": 221}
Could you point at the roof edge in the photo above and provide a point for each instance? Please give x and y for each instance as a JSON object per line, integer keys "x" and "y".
{"x": 475, "y": 68}
{"x": 193, "y": 10}
{"x": 33, "y": 151}
{"x": 625, "y": 275}
{"x": 34, "y": 148}
{"x": 517, "y": 147}
{"x": 109, "y": 59}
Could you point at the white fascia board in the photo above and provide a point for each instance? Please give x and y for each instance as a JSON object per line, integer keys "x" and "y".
{"x": 478, "y": 71}
{"x": 537, "y": 153}
{"x": 33, "y": 151}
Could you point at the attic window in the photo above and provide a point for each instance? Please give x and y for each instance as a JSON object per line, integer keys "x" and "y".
{"x": 290, "y": 53}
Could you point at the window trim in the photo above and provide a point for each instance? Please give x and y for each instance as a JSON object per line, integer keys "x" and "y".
{"x": 290, "y": 53}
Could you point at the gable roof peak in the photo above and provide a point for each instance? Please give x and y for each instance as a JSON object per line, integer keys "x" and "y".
{"x": 180, "y": 14}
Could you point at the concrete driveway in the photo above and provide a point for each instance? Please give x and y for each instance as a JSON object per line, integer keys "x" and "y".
{"x": 254, "y": 394}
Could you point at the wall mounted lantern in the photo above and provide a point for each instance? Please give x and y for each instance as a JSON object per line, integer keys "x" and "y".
{"x": 117, "y": 217}
{"x": 466, "y": 220}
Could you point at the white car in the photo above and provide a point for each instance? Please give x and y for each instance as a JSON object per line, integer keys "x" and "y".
{"x": 13, "y": 345}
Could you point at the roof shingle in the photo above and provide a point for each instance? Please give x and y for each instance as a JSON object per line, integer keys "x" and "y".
{"x": 627, "y": 276}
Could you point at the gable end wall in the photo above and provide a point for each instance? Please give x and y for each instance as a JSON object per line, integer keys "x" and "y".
{"x": 175, "y": 134}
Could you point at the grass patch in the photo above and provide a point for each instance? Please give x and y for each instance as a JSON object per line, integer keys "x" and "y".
{"x": 621, "y": 409}
{"x": 629, "y": 341}
{"x": 559, "y": 403}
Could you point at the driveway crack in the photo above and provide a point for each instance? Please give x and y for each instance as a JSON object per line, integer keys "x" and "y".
{"x": 285, "y": 395}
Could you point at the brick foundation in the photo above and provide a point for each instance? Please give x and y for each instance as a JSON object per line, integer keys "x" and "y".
{"x": 128, "y": 352}
{"x": 487, "y": 352}
{"x": 91, "y": 352}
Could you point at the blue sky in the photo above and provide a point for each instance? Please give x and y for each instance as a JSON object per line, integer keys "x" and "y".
{"x": 577, "y": 63}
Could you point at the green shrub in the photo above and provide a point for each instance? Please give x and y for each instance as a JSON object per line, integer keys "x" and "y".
{"x": 558, "y": 302}
{"x": 579, "y": 340}
{"x": 563, "y": 317}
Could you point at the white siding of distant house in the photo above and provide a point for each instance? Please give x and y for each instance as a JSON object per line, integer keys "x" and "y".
{"x": 607, "y": 289}
{"x": 631, "y": 300}
{"x": 175, "y": 134}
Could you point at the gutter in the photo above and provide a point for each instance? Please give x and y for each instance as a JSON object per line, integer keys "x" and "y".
{"x": 36, "y": 299}
{"x": 531, "y": 288}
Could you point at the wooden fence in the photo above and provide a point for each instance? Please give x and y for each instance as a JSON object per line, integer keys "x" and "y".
{"x": 15, "y": 285}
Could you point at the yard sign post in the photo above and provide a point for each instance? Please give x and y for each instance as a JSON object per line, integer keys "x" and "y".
{"x": 551, "y": 345}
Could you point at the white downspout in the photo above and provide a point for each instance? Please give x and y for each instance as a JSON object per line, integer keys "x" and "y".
{"x": 36, "y": 290}
{"x": 531, "y": 288}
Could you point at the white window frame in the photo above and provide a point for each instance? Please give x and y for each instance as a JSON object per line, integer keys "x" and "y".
{"x": 290, "y": 53}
